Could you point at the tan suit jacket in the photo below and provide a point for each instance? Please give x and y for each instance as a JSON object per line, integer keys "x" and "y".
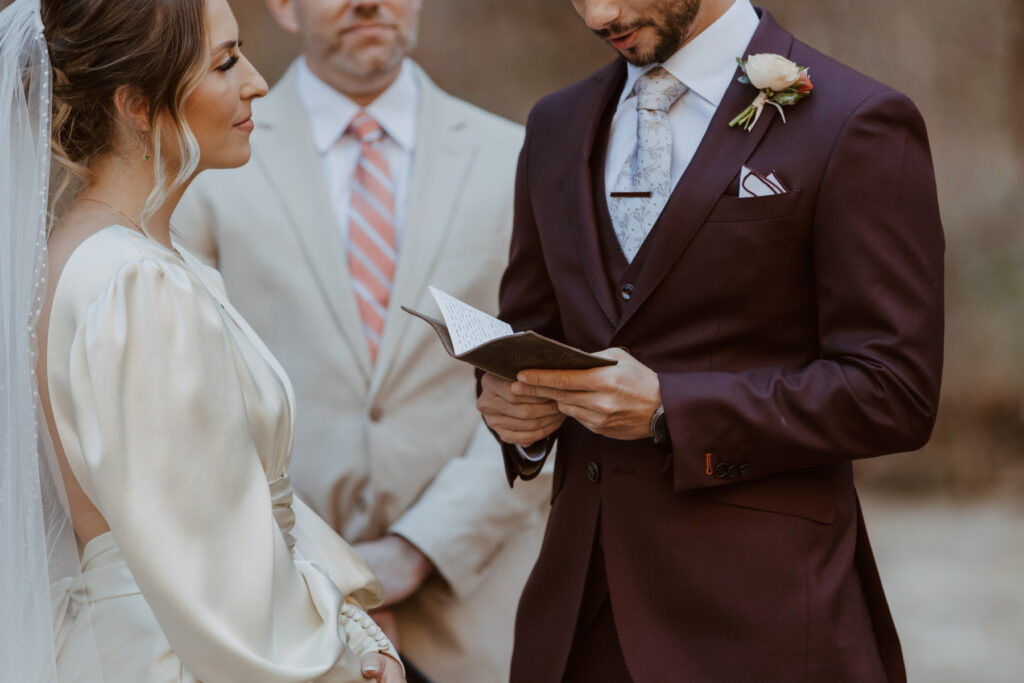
{"x": 397, "y": 446}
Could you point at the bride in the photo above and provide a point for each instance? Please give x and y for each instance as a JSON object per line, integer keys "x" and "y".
{"x": 170, "y": 422}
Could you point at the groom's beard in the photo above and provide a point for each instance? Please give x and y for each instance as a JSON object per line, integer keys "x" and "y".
{"x": 672, "y": 21}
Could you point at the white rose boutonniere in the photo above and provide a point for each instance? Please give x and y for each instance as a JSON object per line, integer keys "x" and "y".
{"x": 780, "y": 81}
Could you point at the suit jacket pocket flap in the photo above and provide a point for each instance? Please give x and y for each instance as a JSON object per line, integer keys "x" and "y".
{"x": 803, "y": 495}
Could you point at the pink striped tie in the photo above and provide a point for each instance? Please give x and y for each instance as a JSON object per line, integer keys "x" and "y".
{"x": 371, "y": 231}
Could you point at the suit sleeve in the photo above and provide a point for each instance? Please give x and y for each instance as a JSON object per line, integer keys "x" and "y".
{"x": 467, "y": 513}
{"x": 878, "y": 264}
{"x": 462, "y": 520}
{"x": 527, "y": 300}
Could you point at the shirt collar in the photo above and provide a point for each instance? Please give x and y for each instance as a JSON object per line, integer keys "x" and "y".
{"x": 707, "y": 63}
{"x": 330, "y": 112}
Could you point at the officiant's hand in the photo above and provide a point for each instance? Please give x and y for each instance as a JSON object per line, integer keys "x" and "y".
{"x": 616, "y": 401}
{"x": 399, "y": 565}
{"x": 515, "y": 418}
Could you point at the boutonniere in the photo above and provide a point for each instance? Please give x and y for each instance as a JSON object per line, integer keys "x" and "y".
{"x": 780, "y": 81}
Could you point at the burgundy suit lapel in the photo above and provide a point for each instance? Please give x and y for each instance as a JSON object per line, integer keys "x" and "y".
{"x": 580, "y": 186}
{"x": 716, "y": 162}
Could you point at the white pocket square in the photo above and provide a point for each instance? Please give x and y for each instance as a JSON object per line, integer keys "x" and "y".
{"x": 754, "y": 184}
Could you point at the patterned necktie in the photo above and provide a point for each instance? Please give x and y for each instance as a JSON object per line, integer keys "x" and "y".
{"x": 648, "y": 170}
{"x": 371, "y": 230}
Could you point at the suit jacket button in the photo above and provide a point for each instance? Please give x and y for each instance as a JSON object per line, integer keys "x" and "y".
{"x": 744, "y": 469}
{"x": 626, "y": 292}
{"x": 593, "y": 472}
{"x": 721, "y": 471}
{"x": 734, "y": 471}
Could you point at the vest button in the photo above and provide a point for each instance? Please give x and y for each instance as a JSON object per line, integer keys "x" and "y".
{"x": 593, "y": 472}
{"x": 626, "y": 292}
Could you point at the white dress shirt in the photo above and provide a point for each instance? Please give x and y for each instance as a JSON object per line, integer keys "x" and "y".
{"x": 330, "y": 114}
{"x": 706, "y": 66}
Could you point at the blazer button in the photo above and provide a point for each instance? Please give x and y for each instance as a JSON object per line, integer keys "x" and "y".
{"x": 593, "y": 472}
{"x": 721, "y": 471}
{"x": 734, "y": 471}
{"x": 744, "y": 470}
{"x": 626, "y": 292}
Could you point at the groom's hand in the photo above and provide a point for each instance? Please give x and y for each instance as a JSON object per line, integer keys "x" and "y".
{"x": 515, "y": 418}
{"x": 616, "y": 401}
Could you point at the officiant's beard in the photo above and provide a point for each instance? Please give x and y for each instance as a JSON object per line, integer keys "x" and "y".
{"x": 365, "y": 62}
{"x": 672, "y": 21}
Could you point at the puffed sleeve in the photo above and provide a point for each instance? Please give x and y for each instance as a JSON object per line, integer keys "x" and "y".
{"x": 167, "y": 457}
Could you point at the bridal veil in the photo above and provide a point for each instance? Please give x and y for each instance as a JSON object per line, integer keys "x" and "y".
{"x": 39, "y": 561}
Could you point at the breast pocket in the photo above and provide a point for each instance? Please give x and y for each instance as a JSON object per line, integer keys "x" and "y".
{"x": 758, "y": 221}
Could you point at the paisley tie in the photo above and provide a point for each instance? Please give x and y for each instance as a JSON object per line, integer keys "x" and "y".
{"x": 645, "y": 178}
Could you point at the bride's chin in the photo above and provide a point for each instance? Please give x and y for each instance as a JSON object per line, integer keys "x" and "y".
{"x": 233, "y": 158}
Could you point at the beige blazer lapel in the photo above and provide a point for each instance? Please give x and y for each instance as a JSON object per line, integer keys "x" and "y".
{"x": 441, "y": 164}
{"x": 284, "y": 150}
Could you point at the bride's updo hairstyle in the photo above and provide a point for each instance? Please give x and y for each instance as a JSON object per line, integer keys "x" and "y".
{"x": 157, "y": 48}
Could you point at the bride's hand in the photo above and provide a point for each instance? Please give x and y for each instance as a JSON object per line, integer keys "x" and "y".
{"x": 382, "y": 668}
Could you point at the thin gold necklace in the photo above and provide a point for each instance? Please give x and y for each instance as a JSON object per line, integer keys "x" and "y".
{"x": 123, "y": 215}
{"x": 116, "y": 210}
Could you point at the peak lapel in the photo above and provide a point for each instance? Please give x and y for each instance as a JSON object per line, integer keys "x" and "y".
{"x": 441, "y": 164}
{"x": 716, "y": 162}
{"x": 284, "y": 148}
{"x": 580, "y": 188}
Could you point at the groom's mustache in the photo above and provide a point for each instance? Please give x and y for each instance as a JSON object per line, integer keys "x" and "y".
{"x": 617, "y": 30}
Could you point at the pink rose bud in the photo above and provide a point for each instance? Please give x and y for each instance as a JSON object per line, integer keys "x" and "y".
{"x": 803, "y": 84}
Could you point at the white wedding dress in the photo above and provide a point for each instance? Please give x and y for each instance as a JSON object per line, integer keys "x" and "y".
{"x": 177, "y": 422}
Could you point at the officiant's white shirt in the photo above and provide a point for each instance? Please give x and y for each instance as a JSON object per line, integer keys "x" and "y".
{"x": 330, "y": 113}
{"x": 706, "y": 66}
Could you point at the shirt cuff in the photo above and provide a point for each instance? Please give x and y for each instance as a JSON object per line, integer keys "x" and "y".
{"x": 536, "y": 451}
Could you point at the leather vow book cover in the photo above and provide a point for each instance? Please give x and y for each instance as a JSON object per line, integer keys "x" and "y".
{"x": 489, "y": 344}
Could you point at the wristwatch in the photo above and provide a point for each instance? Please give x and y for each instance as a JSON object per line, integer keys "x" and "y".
{"x": 659, "y": 427}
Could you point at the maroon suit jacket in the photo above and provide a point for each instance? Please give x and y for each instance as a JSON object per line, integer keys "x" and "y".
{"x": 791, "y": 334}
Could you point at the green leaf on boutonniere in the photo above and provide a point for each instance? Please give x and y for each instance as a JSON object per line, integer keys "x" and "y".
{"x": 787, "y": 97}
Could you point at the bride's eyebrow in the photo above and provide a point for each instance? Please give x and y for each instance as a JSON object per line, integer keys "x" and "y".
{"x": 226, "y": 45}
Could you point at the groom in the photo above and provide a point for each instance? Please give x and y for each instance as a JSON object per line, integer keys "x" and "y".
{"x": 705, "y": 525}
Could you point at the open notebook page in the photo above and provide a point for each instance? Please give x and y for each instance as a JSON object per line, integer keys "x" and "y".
{"x": 468, "y": 327}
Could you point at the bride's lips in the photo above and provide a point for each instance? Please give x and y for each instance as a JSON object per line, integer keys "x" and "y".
{"x": 246, "y": 126}
{"x": 626, "y": 40}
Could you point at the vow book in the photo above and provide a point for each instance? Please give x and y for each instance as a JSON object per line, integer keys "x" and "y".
{"x": 470, "y": 335}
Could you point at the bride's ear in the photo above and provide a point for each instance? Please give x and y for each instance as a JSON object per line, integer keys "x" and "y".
{"x": 133, "y": 109}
